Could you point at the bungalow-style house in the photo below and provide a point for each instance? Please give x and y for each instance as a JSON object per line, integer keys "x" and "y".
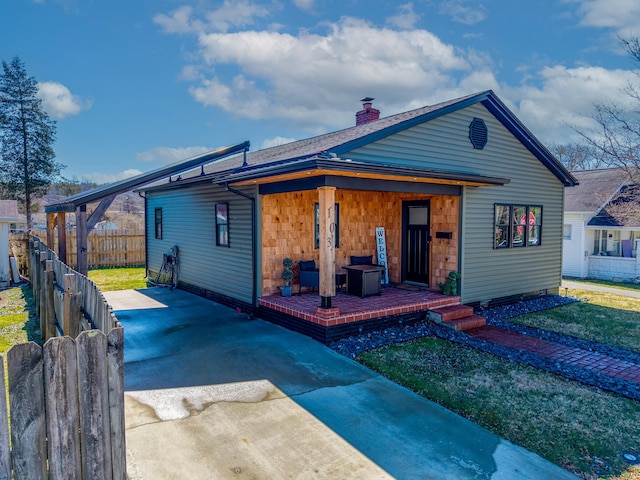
{"x": 461, "y": 186}
{"x": 602, "y": 226}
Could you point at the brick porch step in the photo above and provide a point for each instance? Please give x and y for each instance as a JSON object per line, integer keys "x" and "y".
{"x": 466, "y": 323}
{"x": 459, "y": 317}
{"x": 450, "y": 312}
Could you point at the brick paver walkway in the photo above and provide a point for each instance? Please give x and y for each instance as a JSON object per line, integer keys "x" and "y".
{"x": 585, "y": 359}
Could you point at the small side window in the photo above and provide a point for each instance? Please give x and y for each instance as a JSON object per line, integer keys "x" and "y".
{"x": 222, "y": 224}
{"x": 158, "y": 222}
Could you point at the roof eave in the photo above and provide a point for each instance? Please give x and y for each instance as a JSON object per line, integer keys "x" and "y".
{"x": 340, "y": 165}
{"x": 69, "y": 204}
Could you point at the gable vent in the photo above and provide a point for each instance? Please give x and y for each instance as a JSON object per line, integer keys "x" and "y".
{"x": 478, "y": 133}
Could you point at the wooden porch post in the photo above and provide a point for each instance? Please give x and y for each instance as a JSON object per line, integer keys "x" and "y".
{"x": 81, "y": 239}
{"x": 326, "y": 199}
{"x": 62, "y": 237}
{"x": 51, "y": 224}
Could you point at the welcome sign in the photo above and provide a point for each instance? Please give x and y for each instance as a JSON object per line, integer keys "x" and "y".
{"x": 381, "y": 245}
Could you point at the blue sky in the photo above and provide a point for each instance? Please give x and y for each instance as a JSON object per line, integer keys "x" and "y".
{"x": 135, "y": 84}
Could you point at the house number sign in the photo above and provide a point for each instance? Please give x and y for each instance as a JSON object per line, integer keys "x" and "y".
{"x": 381, "y": 245}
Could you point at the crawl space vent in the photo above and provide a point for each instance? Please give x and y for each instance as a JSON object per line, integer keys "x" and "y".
{"x": 478, "y": 133}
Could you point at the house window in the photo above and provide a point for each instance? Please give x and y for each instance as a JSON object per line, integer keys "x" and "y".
{"x": 517, "y": 226}
{"x": 222, "y": 224}
{"x": 316, "y": 229}
{"x": 566, "y": 231}
{"x": 158, "y": 222}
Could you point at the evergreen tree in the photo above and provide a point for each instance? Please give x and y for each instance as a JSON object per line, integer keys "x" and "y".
{"x": 27, "y": 159}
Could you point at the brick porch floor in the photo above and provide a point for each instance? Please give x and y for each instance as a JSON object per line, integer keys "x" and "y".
{"x": 585, "y": 359}
{"x": 349, "y": 308}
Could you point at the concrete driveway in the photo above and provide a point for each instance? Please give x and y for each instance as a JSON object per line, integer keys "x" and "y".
{"x": 212, "y": 394}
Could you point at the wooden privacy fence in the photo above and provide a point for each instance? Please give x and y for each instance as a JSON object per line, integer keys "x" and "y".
{"x": 67, "y": 302}
{"x": 66, "y": 399}
{"x": 105, "y": 248}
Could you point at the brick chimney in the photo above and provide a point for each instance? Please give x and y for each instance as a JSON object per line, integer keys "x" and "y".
{"x": 368, "y": 113}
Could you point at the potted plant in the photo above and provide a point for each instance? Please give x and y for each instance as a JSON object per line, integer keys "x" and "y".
{"x": 287, "y": 276}
{"x": 452, "y": 285}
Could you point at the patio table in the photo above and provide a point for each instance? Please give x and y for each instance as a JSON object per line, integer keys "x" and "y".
{"x": 364, "y": 280}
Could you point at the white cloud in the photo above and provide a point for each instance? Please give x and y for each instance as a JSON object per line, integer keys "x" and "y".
{"x": 304, "y": 4}
{"x": 566, "y": 97}
{"x": 179, "y": 21}
{"x": 167, "y": 155}
{"x": 102, "y": 178}
{"x": 460, "y": 12}
{"x": 58, "y": 101}
{"x": 620, "y": 15}
{"x": 274, "y": 78}
{"x": 405, "y": 19}
{"x": 276, "y": 141}
{"x": 229, "y": 14}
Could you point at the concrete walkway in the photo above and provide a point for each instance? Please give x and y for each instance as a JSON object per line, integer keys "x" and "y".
{"x": 213, "y": 394}
{"x": 601, "y": 288}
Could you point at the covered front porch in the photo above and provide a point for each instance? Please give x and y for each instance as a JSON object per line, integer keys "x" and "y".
{"x": 352, "y": 315}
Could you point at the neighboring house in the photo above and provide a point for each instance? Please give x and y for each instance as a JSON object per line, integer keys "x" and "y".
{"x": 8, "y": 217}
{"x": 459, "y": 186}
{"x": 602, "y": 226}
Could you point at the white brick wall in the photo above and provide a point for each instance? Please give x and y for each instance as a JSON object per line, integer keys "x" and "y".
{"x": 614, "y": 268}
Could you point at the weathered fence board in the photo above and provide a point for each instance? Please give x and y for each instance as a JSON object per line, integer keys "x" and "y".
{"x": 5, "y": 451}
{"x": 115, "y": 359}
{"x": 81, "y": 433}
{"x": 26, "y": 400}
{"x": 63, "y": 416}
{"x": 94, "y": 406}
{"x": 105, "y": 248}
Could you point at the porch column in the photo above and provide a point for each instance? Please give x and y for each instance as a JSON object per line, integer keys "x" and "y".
{"x": 81, "y": 239}
{"x": 51, "y": 224}
{"x": 326, "y": 201}
{"x": 62, "y": 236}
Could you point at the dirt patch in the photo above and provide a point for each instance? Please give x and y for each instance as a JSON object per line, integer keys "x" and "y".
{"x": 4, "y": 299}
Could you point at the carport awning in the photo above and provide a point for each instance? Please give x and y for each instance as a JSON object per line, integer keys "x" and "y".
{"x": 69, "y": 204}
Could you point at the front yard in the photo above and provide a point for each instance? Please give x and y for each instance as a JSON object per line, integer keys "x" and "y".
{"x": 582, "y": 428}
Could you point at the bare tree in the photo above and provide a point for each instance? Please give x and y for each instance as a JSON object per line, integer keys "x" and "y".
{"x": 577, "y": 156}
{"x": 617, "y": 138}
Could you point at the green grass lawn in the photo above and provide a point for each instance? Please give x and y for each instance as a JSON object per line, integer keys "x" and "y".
{"x": 582, "y": 428}
{"x": 602, "y": 317}
{"x": 18, "y": 320}
{"x": 578, "y": 427}
{"x": 125, "y": 278}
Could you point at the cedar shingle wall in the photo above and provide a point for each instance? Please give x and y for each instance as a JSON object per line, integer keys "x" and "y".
{"x": 287, "y": 230}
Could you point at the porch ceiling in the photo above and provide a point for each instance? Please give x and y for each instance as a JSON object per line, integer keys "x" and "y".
{"x": 320, "y": 167}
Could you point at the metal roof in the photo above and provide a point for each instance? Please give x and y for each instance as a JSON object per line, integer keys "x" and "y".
{"x": 71, "y": 203}
{"x": 348, "y": 139}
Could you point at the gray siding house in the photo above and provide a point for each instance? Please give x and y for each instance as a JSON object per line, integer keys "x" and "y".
{"x": 460, "y": 186}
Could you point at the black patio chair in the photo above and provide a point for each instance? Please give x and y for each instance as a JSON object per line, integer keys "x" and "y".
{"x": 308, "y": 275}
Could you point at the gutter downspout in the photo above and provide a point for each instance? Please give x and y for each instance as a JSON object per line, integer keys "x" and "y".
{"x": 254, "y": 293}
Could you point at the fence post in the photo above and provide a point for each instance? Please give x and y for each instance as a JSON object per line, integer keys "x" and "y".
{"x": 34, "y": 276}
{"x": 5, "y": 452}
{"x": 95, "y": 435}
{"x": 26, "y": 398}
{"x": 42, "y": 295}
{"x": 50, "y": 310}
{"x": 70, "y": 322}
{"x": 115, "y": 365}
{"x": 63, "y": 416}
